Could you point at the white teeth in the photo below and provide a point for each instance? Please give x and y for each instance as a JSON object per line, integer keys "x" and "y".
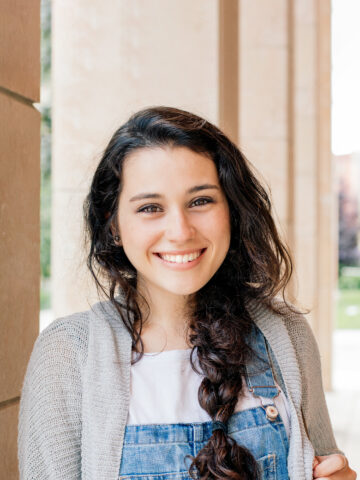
{"x": 181, "y": 258}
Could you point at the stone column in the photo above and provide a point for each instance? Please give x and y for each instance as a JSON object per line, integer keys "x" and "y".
{"x": 19, "y": 214}
{"x": 284, "y": 128}
{"x": 117, "y": 58}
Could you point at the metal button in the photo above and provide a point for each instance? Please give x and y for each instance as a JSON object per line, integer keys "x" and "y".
{"x": 271, "y": 412}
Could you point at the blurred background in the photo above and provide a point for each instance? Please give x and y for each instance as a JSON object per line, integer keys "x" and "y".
{"x": 280, "y": 77}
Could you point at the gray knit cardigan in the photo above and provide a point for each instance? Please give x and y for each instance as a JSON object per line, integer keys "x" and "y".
{"x": 75, "y": 395}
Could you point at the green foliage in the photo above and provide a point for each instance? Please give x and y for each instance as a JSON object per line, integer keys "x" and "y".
{"x": 45, "y": 40}
{"x": 45, "y": 294}
{"x": 348, "y": 304}
{"x": 45, "y": 109}
{"x": 349, "y": 277}
{"x": 348, "y": 309}
{"x": 45, "y": 233}
{"x": 349, "y": 283}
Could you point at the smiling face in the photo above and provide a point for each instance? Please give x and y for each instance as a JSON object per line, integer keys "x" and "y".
{"x": 173, "y": 219}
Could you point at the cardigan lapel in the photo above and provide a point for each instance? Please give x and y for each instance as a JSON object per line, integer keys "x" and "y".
{"x": 301, "y": 452}
{"x": 106, "y": 393}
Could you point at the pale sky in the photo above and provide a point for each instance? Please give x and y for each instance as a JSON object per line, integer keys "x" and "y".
{"x": 345, "y": 76}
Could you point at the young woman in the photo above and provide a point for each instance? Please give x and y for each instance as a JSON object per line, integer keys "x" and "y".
{"x": 194, "y": 367}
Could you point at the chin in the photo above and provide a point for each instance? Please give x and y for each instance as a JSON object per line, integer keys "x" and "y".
{"x": 185, "y": 289}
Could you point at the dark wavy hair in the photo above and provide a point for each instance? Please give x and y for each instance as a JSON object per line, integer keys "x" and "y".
{"x": 258, "y": 266}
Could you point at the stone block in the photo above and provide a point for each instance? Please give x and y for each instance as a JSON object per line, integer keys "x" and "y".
{"x": 270, "y": 158}
{"x": 120, "y": 57}
{"x": 20, "y": 240}
{"x": 20, "y": 47}
{"x": 8, "y": 441}
{"x": 263, "y": 23}
{"x": 264, "y": 93}
{"x": 72, "y": 282}
{"x": 305, "y": 50}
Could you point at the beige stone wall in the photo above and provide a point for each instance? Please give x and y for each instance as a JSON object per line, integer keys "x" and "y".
{"x": 19, "y": 213}
{"x": 258, "y": 68}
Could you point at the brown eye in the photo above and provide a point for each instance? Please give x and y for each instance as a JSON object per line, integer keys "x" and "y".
{"x": 202, "y": 201}
{"x": 149, "y": 209}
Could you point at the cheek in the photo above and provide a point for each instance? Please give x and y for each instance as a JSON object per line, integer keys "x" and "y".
{"x": 218, "y": 225}
{"x": 137, "y": 236}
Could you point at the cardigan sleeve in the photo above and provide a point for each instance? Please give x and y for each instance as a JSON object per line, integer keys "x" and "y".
{"x": 314, "y": 409}
{"x": 49, "y": 424}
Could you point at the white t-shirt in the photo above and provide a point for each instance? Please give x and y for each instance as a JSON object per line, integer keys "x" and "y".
{"x": 164, "y": 389}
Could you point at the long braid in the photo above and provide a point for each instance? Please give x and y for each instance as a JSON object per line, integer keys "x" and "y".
{"x": 218, "y": 332}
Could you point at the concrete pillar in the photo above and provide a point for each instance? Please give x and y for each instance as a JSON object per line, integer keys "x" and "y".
{"x": 327, "y": 203}
{"x": 229, "y": 68}
{"x": 119, "y": 57}
{"x": 263, "y": 94}
{"x": 313, "y": 225}
{"x": 284, "y": 128}
{"x": 19, "y": 213}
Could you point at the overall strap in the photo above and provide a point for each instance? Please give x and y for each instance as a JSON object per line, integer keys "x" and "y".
{"x": 259, "y": 374}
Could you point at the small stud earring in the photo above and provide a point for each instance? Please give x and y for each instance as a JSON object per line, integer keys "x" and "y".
{"x": 117, "y": 240}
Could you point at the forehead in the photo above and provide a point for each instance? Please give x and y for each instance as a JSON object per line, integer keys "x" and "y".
{"x": 162, "y": 168}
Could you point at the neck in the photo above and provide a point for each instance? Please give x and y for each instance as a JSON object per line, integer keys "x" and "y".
{"x": 166, "y": 320}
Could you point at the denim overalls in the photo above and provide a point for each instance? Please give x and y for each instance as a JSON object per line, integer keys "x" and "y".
{"x": 159, "y": 452}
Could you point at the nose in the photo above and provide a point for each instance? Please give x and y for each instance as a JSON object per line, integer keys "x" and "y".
{"x": 178, "y": 227}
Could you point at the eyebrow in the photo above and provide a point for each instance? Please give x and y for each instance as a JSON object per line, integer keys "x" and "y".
{"x": 197, "y": 188}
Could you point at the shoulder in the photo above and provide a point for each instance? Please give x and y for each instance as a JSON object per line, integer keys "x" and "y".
{"x": 287, "y": 314}
{"x": 299, "y": 331}
{"x": 297, "y": 326}
{"x": 75, "y": 333}
{"x": 65, "y": 345}
{"x": 60, "y": 348}
{"x": 287, "y": 329}
{"x": 72, "y": 332}
{"x": 69, "y": 325}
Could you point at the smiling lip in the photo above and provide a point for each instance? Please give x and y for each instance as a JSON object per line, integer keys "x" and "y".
{"x": 181, "y": 266}
{"x": 180, "y": 252}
